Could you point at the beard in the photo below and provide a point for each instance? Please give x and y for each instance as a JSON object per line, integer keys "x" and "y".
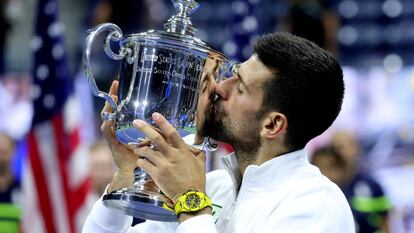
{"x": 243, "y": 136}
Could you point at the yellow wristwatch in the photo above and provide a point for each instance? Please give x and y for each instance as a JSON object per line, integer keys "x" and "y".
{"x": 192, "y": 201}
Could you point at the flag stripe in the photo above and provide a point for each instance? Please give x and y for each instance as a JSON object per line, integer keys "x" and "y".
{"x": 31, "y": 204}
{"x": 40, "y": 183}
{"x": 46, "y": 139}
{"x": 63, "y": 143}
{"x": 81, "y": 195}
{"x": 79, "y": 166}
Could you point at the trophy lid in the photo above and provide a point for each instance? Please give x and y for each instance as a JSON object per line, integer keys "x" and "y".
{"x": 178, "y": 30}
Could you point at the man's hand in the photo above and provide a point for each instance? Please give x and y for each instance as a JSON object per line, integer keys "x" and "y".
{"x": 123, "y": 156}
{"x": 172, "y": 165}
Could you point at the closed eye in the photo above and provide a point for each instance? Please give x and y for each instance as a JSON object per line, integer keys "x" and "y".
{"x": 239, "y": 88}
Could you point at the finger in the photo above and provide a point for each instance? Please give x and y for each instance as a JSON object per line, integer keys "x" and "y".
{"x": 202, "y": 156}
{"x": 194, "y": 150}
{"x": 107, "y": 107}
{"x": 169, "y": 132}
{"x": 147, "y": 166}
{"x": 108, "y": 131}
{"x": 112, "y": 92}
{"x": 152, "y": 134}
{"x": 114, "y": 88}
{"x": 153, "y": 156}
{"x": 141, "y": 143}
{"x": 107, "y": 126}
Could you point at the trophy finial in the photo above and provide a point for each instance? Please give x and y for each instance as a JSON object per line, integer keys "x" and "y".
{"x": 187, "y": 6}
{"x": 180, "y": 23}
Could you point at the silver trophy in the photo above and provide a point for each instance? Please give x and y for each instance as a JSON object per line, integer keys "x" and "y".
{"x": 161, "y": 71}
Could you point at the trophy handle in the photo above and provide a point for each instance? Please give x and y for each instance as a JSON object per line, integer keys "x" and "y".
{"x": 115, "y": 34}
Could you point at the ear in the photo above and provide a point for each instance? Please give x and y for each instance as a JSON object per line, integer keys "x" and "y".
{"x": 274, "y": 125}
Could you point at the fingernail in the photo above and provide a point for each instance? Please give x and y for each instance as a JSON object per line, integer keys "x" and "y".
{"x": 138, "y": 123}
{"x": 156, "y": 116}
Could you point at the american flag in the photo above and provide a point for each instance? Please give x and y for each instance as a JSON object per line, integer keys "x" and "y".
{"x": 55, "y": 182}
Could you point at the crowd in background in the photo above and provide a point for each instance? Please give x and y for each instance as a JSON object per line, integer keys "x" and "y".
{"x": 369, "y": 151}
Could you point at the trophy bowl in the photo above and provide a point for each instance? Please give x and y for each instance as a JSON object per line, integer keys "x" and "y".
{"x": 161, "y": 71}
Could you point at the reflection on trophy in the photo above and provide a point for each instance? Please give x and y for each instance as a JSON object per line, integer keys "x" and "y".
{"x": 161, "y": 71}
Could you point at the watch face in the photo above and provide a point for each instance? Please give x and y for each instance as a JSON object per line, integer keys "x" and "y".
{"x": 192, "y": 201}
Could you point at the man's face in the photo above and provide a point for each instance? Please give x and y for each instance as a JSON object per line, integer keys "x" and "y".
{"x": 235, "y": 117}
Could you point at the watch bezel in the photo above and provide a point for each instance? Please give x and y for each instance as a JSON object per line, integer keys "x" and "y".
{"x": 195, "y": 207}
{"x": 182, "y": 205}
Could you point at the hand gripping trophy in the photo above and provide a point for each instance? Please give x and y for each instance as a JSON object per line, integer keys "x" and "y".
{"x": 160, "y": 72}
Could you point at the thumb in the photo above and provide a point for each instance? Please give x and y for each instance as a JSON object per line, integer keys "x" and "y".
{"x": 201, "y": 158}
{"x": 195, "y": 151}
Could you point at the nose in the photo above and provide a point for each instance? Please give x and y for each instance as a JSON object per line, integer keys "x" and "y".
{"x": 222, "y": 88}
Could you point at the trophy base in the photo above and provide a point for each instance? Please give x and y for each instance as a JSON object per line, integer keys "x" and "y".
{"x": 131, "y": 135}
{"x": 139, "y": 205}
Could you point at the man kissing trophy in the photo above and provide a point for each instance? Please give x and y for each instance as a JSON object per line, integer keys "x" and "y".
{"x": 161, "y": 71}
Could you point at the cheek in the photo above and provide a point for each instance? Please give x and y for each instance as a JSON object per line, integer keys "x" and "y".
{"x": 243, "y": 118}
{"x": 246, "y": 110}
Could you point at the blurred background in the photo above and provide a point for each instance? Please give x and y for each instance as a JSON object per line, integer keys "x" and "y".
{"x": 54, "y": 164}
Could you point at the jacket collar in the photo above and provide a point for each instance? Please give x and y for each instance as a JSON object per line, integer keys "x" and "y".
{"x": 267, "y": 175}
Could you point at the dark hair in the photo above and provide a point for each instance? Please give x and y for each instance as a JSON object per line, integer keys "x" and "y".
{"x": 308, "y": 87}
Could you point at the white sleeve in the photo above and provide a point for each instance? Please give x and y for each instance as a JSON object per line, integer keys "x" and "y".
{"x": 104, "y": 220}
{"x": 200, "y": 224}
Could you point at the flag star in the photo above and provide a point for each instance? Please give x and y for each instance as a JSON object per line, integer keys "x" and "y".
{"x": 36, "y": 43}
{"x": 55, "y": 29}
{"x": 42, "y": 72}
{"x": 49, "y": 101}
{"x": 57, "y": 51}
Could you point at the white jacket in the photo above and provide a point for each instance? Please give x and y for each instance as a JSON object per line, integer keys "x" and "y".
{"x": 284, "y": 194}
